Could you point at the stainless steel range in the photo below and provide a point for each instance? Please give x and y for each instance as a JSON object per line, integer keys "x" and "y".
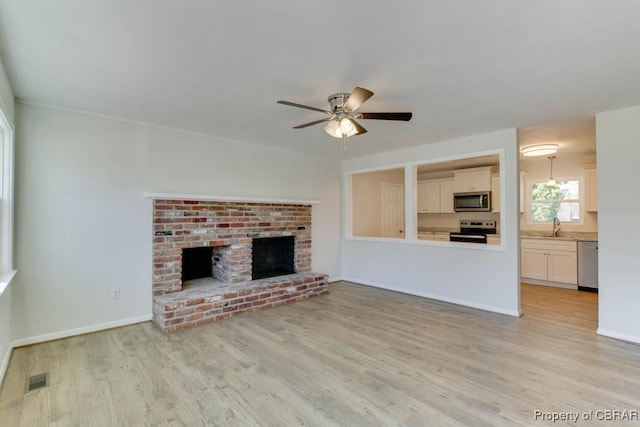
{"x": 473, "y": 231}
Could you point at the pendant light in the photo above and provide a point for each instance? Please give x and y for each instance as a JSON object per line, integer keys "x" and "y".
{"x": 551, "y": 181}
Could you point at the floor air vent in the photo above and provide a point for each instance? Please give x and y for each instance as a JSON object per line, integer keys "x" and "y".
{"x": 36, "y": 381}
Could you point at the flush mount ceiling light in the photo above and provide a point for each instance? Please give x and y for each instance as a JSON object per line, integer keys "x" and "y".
{"x": 551, "y": 181}
{"x": 539, "y": 150}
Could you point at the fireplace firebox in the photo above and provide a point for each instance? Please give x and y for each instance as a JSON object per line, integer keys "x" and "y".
{"x": 273, "y": 256}
{"x": 196, "y": 263}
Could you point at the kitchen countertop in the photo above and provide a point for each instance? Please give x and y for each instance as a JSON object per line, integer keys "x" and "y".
{"x": 438, "y": 230}
{"x": 563, "y": 235}
{"x": 526, "y": 234}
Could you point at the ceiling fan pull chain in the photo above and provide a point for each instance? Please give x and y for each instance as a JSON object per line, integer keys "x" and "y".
{"x": 344, "y": 142}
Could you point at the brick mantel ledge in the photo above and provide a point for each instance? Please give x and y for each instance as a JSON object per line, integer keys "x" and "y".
{"x": 213, "y": 198}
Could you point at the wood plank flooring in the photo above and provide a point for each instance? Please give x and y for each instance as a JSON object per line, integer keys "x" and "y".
{"x": 359, "y": 356}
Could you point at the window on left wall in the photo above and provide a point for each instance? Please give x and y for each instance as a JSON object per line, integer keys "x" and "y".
{"x": 377, "y": 203}
{"x": 6, "y": 202}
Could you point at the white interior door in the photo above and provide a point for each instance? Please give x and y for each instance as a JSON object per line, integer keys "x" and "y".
{"x": 392, "y": 210}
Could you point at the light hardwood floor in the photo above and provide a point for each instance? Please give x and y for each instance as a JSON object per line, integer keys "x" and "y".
{"x": 359, "y": 356}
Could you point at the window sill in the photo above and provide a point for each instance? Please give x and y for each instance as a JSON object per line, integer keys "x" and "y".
{"x": 5, "y": 279}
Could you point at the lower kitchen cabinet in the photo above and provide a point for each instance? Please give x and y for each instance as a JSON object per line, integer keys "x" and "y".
{"x": 493, "y": 240}
{"x": 549, "y": 260}
{"x": 437, "y": 236}
{"x": 534, "y": 263}
{"x": 442, "y": 237}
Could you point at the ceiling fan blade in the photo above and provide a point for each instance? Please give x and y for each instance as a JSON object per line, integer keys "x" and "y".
{"x": 359, "y": 128}
{"x": 293, "y": 104}
{"x": 386, "y": 116}
{"x": 312, "y": 123}
{"x": 357, "y": 98}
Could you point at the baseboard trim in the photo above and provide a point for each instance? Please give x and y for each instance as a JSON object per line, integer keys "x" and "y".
{"x": 335, "y": 279}
{"x": 79, "y": 331}
{"x": 513, "y": 313}
{"x": 547, "y": 283}
{"x": 624, "y": 337}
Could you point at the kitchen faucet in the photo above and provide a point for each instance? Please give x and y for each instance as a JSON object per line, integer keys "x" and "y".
{"x": 556, "y": 226}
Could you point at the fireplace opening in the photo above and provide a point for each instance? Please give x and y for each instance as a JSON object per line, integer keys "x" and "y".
{"x": 197, "y": 263}
{"x": 272, "y": 256}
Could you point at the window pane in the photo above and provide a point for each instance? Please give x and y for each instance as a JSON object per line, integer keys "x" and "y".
{"x": 561, "y": 200}
{"x": 542, "y": 191}
{"x": 546, "y": 211}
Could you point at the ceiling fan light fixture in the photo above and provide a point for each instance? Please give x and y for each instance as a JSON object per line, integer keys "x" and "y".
{"x": 340, "y": 127}
{"x": 333, "y": 129}
{"x": 539, "y": 150}
{"x": 347, "y": 127}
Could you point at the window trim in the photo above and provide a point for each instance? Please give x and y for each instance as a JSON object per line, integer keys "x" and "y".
{"x": 6, "y": 201}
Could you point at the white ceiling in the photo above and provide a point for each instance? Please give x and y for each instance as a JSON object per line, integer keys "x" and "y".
{"x": 218, "y": 67}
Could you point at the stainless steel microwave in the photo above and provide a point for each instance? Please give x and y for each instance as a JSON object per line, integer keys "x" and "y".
{"x": 472, "y": 202}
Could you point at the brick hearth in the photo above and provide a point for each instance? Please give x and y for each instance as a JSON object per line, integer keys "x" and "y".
{"x": 229, "y": 228}
{"x": 206, "y": 302}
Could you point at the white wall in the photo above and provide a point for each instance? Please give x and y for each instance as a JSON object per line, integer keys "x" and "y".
{"x": 84, "y": 228}
{"x": 476, "y": 276}
{"x": 618, "y": 148}
{"x": 564, "y": 167}
{"x": 7, "y": 103}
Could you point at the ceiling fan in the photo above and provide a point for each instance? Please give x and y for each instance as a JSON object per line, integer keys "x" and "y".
{"x": 342, "y": 116}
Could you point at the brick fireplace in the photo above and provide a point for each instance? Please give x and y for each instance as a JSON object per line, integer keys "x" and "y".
{"x": 223, "y": 234}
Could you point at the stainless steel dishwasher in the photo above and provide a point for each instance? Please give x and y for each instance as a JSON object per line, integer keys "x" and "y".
{"x": 588, "y": 265}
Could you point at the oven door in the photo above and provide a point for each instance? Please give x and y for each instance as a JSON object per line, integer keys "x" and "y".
{"x": 468, "y": 238}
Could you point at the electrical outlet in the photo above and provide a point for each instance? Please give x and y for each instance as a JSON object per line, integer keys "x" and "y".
{"x": 115, "y": 293}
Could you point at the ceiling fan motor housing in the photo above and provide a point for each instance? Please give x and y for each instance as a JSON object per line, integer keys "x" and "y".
{"x": 337, "y": 101}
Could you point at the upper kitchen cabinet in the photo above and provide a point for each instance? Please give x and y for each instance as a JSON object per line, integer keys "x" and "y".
{"x": 446, "y": 195}
{"x": 474, "y": 179}
{"x": 591, "y": 188}
{"x": 495, "y": 192}
{"x": 429, "y": 196}
{"x": 435, "y": 196}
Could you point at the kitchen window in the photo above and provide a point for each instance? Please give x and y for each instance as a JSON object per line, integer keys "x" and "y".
{"x": 561, "y": 200}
